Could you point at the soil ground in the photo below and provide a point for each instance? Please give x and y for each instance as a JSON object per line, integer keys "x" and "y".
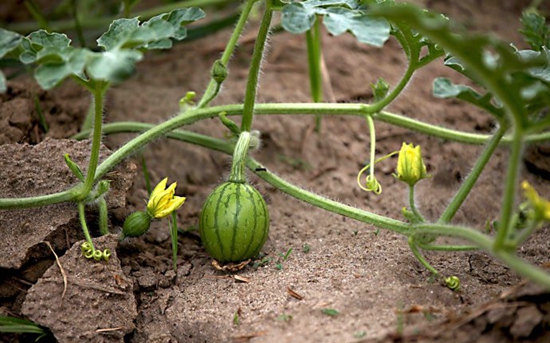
{"x": 381, "y": 293}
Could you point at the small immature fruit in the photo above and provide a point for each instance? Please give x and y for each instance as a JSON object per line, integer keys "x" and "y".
{"x": 234, "y": 222}
{"x": 136, "y": 224}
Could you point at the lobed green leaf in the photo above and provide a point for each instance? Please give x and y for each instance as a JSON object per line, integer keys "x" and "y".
{"x": 123, "y": 45}
{"x": 493, "y": 64}
{"x": 444, "y": 88}
{"x": 9, "y": 41}
{"x": 152, "y": 34}
{"x": 535, "y": 31}
{"x": 339, "y": 16}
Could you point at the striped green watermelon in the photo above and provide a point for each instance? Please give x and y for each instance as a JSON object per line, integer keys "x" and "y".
{"x": 234, "y": 222}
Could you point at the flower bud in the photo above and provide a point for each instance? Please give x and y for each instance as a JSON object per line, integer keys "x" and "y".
{"x": 136, "y": 224}
{"x": 162, "y": 201}
{"x": 410, "y": 166}
{"x": 540, "y": 206}
{"x": 219, "y": 72}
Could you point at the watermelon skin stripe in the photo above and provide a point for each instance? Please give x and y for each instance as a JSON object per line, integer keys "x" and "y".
{"x": 234, "y": 222}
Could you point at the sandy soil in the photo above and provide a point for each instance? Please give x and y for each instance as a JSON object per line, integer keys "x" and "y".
{"x": 381, "y": 293}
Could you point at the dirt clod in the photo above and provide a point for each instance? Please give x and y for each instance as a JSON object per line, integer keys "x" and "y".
{"x": 29, "y": 170}
{"x": 96, "y": 308}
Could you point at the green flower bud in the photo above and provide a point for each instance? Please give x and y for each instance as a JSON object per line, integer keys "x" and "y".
{"x": 410, "y": 166}
{"x": 540, "y": 206}
{"x": 219, "y": 72}
{"x": 136, "y": 224}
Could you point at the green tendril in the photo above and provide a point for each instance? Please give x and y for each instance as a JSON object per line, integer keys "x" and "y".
{"x": 106, "y": 255}
{"x": 453, "y": 282}
{"x": 98, "y": 255}
{"x": 88, "y": 253}
{"x": 371, "y": 183}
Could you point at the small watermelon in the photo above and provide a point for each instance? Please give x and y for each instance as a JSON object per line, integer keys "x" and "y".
{"x": 234, "y": 222}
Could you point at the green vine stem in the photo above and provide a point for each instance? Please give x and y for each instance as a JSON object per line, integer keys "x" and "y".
{"x": 314, "y": 199}
{"x": 486, "y": 243}
{"x": 239, "y": 156}
{"x": 514, "y": 111}
{"x": 82, "y": 217}
{"x": 314, "y": 54}
{"x": 98, "y": 94}
{"x": 412, "y": 205}
{"x": 478, "y": 239}
{"x": 193, "y": 115}
{"x": 472, "y": 178}
{"x": 313, "y": 40}
{"x": 445, "y": 247}
{"x": 213, "y": 87}
{"x": 505, "y": 224}
{"x": 103, "y": 216}
{"x": 419, "y": 256}
{"x": 255, "y": 66}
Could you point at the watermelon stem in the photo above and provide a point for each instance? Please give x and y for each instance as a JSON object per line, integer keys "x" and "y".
{"x": 239, "y": 156}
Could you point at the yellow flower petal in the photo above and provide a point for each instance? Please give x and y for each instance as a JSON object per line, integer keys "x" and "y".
{"x": 410, "y": 166}
{"x": 162, "y": 201}
{"x": 159, "y": 188}
{"x": 172, "y": 206}
{"x": 541, "y": 207}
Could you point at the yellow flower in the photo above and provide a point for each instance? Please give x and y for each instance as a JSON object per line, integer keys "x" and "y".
{"x": 410, "y": 166}
{"x": 540, "y": 206}
{"x": 162, "y": 201}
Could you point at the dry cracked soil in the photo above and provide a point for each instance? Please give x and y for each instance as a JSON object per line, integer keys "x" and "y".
{"x": 343, "y": 281}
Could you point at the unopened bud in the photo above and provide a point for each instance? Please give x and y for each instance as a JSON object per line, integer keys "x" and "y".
{"x": 219, "y": 72}
{"x": 136, "y": 224}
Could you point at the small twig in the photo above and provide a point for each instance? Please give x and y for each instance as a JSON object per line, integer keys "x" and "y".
{"x": 109, "y": 329}
{"x": 63, "y": 274}
{"x": 294, "y": 294}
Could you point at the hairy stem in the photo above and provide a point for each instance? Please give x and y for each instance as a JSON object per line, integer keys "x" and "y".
{"x": 255, "y": 66}
{"x": 213, "y": 87}
{"x": 477, "y": 238}
{"x": 313, "y": 38}
{"x": 519, "y": 266}
{"x": 193, "y": 115}
{"x": 419, "y": 256}
{"x": 372, "y": 132}
{"x": 412, "y": 204}
{"x": 103, "y": 216}
{"x": 239, "y": 156}
{"x": 98, "y": 94}
{"x": 470, "y": 181}
{"x": 285, "y": 186}
{"x": 82, "y": 216}
{"x": 505, "y": 225}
